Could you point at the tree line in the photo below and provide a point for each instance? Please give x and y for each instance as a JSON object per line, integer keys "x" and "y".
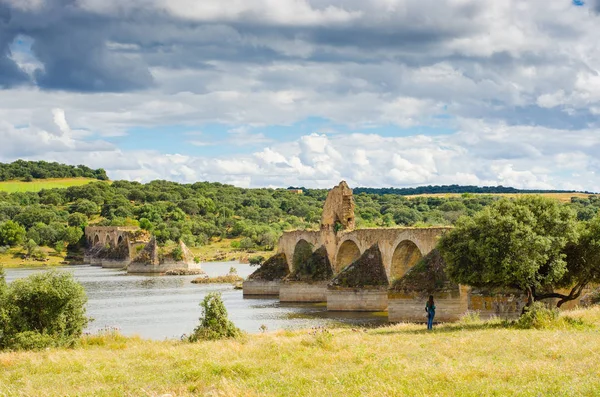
{"x": 30, "y": 170}
{"x": 201, "y": 212}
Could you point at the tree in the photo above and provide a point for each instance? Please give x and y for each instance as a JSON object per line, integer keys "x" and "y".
{"x": 77, "y": 219}
{"x": 11, "y": 233}
{"x": 30, "y": 247}
{"x": 214, "y": 323}
{"x": 44, "y": 309}
{"x": 512, "y": 244}
{"x": 583, "y": 262}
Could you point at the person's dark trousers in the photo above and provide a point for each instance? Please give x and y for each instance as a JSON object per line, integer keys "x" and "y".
{"x": 430, "y": 321}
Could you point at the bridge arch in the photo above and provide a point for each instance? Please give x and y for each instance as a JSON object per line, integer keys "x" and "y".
{"x": 406, "y": 255}
{"x": 107, "y": 240}
{"x": 120, "y": 239}
{"x": 302, "y": 252}
{"x": 347, "y": 253}
{"x": 96, "y": 239}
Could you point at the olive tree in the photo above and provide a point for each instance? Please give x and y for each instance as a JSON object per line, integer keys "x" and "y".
{"x": 513, "y": 244}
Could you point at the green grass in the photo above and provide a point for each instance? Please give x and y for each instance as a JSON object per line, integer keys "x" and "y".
{"x": 39, "y": 184}
{"x": 14, "y": 258}
{"x": 471, "y": 359}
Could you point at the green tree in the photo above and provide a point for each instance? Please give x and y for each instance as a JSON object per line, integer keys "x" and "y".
{"x": 77, "y": 219}
{"x": 512, "y": 244}
{"x": 44, "y": 309}
{"x": 30, "y": 247}
{"x": 214, "y": 323}
{"x": 11, "y": 233}
{"x": 583, "y": 262}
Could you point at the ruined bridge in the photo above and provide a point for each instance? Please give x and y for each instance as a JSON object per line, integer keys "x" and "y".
{"x": 401, "y": 248}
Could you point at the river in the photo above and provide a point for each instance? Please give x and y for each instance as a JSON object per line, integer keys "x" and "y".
{"x": 164, "y": 307}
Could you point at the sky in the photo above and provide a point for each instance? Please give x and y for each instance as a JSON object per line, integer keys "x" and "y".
{"x": 281, "y": 93}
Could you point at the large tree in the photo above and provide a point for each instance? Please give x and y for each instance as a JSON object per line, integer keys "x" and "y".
{"x": 513, "y": 244}
{"x": 583, "y": 262}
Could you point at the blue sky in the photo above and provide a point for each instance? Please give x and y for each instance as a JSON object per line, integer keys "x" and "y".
{"x": 306, "y": 92}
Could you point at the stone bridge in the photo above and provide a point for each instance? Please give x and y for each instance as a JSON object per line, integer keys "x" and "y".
{"x": 108, "y": 235}
{"x": 401, "y": 248}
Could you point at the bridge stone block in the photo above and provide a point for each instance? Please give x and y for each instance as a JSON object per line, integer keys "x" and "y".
{"x": 357, "y": 300}
{"x": 261, "y": 287}
{"x": 294, "y": 291}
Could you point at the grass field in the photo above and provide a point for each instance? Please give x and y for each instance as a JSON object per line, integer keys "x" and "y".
{"x": 222, "y": 251}
{"x": 400, "y": 360}
{"x": 39, "y": 184}
{"x": 14, "y": 258}
{"x": 563, "y": 197}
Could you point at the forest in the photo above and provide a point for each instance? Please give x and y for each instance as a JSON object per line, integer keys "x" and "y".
{"x": 30, "y": 170}
{"x": 203, "y": 212}
{"x": 199, "y": 212}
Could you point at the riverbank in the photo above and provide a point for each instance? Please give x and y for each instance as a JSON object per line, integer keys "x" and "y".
{"x": 456, "y": 359}
{"x": 216, "y": 251}
{"x": 15, "y": 258}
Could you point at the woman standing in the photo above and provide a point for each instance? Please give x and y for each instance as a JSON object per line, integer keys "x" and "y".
{"x": 430, "y": 309}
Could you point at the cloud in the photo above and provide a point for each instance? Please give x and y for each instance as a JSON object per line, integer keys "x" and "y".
{"x": 418, "y": 92}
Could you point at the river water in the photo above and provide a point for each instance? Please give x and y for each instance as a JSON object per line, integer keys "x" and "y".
{"x": 159, "y": 307}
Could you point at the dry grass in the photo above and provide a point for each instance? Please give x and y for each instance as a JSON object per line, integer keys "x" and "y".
{"x": 39, "y": 184}
{"x": 563, "y": 197}
{"x": 403, "y": 360}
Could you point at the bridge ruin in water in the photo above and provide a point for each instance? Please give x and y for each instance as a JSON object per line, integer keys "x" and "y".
{"x": 351, "y": 253}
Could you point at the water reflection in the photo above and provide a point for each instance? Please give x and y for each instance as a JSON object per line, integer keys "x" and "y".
{"x": 167, "y": 307}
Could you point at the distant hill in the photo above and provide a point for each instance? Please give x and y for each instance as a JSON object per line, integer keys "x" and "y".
{"x": 441, "y": 189}
{"x": 30, "y": 170}
{"x": 412, "y": 191}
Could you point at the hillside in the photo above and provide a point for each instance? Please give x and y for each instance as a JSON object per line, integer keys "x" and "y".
{"x": 36, "y": 185}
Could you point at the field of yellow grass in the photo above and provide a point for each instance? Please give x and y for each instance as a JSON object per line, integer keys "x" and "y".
{"x": 39, "y": 184}
{"x": 470, "y": 359}
{"x": 563, "y": 197}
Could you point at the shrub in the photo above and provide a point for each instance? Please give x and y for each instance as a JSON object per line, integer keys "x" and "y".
{"x": 537, "y": 316}
{"x": 235, "y": 244}
{"x": 177, "y": 254}
{"x": 31, "y": 340}
{"x": 4, "y": 249}
{"x": 59, "y": 247}
{"x": 247, "y": 243}
{"x": 214, "y": 323}
{"x": 42, "y": 310}
{"x": 256, "y": 260}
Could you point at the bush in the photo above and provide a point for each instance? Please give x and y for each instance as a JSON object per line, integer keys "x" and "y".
{"x": 256, "y": 260}
{"x": 42, "y": 310}
{"x": 537, "y": 316}
{"x": 214, "y": 323}
{"x": 177, "y": 254}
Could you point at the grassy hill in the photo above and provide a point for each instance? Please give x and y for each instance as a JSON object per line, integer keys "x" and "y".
{"x": 38, "y": 184}
{"x": 562, "y": 197}
{"x": 468, "y": 359}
